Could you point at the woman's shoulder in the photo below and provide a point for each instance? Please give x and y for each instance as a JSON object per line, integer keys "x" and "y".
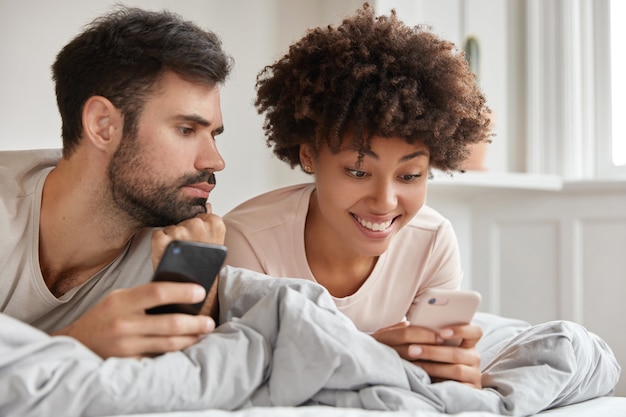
{"x": 428, "y": 218}
{"x": 427, "y": 229}
{"x": 276, "y": 204}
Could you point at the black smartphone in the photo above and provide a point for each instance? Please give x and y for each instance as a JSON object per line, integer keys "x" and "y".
{"x": 186, "y": 261}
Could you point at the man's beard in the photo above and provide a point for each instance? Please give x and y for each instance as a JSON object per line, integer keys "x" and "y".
{"x": 149, "y": 201}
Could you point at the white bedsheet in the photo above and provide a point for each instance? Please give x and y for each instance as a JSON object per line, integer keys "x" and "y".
{"x": 598, "y": 407}
{"x": 284, "y": 344}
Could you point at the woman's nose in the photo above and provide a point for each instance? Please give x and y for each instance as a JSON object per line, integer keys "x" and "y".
{"x": 384, "y": 196}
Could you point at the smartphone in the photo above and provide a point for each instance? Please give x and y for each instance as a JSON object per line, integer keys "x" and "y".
{"x": 186, "y": 261}
{"x": 440, "y": 308}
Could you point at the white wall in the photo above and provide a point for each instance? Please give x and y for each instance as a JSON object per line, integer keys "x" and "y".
{"x": 255, "y": 33}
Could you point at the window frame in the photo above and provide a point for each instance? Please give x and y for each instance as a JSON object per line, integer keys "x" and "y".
{"x": 602, "y": 34}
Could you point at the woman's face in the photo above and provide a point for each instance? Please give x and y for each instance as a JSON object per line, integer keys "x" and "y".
{"x": 363, "y": 204}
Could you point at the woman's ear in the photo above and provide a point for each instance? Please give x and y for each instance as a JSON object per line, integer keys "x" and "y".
{"x": 102, "y": 123}
{"x": 306, "y": 158}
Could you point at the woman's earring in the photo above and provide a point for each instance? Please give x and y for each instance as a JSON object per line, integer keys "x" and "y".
{"x": 308, "y": 169}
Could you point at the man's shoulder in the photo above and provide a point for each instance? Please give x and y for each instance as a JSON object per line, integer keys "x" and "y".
{"x": 29, "y": 157}
{"x": 21, "y": 171}
{"x": 18, "y": 166}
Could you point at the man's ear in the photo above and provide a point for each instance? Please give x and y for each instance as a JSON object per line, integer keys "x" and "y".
{"x": 102, "y": 123}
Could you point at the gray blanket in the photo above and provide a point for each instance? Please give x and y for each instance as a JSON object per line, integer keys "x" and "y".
{"x": 283, "y": 343}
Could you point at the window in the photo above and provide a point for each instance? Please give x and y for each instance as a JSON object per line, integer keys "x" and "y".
{"x": 609, "y": 36}
{"x": 618, "y": 82}
{"x": 558, "y": 109}
{"x": 576, "y": 112}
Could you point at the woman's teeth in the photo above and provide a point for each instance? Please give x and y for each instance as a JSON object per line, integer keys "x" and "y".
{"x": 376, "y": 227}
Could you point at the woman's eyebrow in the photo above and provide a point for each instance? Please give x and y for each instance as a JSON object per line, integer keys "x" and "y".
{"x": 404, "y": 158}
{"x": 415, "y": 154}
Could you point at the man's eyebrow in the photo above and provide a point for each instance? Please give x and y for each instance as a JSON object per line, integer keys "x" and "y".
{"x": 192, "y": 118}
{"x": 198, "y": 120}
{"x": 402, "y": 159}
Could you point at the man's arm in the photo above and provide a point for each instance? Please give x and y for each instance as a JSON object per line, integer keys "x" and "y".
{"x": 118, "y": 324}
{"x": 40, "y": 373}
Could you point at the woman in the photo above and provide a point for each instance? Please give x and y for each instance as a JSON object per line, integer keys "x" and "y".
{"x": 368, "y": 108}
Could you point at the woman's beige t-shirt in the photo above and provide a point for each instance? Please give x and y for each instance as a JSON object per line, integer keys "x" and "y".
{"x": 266, "y": 234}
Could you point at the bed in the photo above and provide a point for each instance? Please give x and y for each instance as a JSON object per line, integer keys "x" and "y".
{"x": 283, "y": 349}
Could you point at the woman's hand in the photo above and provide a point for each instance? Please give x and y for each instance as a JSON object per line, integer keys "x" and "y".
{"x": 426, "y": 348}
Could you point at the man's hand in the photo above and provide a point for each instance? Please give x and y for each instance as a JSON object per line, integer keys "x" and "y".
{"x": 206, "y": 227}
{"x": 424, "y": 347}
{"x": 119, "y": 326}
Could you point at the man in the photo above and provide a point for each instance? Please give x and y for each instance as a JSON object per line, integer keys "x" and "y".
{"x": 138, "y": 93}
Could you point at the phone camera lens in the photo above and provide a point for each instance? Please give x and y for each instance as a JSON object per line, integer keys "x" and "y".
{"x": 176, "y": 251}
{"x": 432, "y": 301}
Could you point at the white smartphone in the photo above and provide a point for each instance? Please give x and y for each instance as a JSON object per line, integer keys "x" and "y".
{"x": 440, "y": 308}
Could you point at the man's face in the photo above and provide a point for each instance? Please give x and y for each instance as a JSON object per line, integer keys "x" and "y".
{"x": 161, "y": 176}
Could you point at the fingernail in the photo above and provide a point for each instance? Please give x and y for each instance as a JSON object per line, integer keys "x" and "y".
{"x": 446, "y": 333}
{"x": 415, "y": 350}
{"x": 198, "y": 293}
{"x": 210, "y": 324}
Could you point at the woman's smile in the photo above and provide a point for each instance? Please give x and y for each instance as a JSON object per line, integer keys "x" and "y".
{"x": 375, "y": 226}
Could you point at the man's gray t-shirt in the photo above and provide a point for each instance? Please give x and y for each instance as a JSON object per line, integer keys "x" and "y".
{"x": 23, "y": 292}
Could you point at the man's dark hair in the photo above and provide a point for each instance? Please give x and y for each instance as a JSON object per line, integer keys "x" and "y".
{"x": 372, "y": 76}
{"x": 122, "y": 55}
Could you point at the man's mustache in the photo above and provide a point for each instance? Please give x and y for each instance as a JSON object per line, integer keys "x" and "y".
{"x": 208, "y": 177}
